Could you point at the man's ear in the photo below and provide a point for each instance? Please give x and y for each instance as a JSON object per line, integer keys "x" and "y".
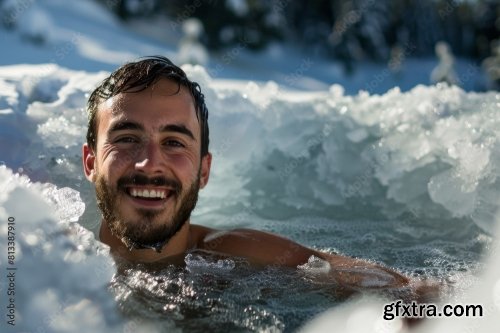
{"x": 206, "y": 162}
{"x": 88, "y": 159}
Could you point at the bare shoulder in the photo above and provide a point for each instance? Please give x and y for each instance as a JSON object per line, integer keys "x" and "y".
{"x": 261, "y": 247}
{"x": 258, "y": 247}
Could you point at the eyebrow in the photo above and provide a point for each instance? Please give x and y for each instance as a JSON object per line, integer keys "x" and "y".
{"x": 177, "y": 128}
{"x": 125, "y": 125}
{"x": 130, "y": 125}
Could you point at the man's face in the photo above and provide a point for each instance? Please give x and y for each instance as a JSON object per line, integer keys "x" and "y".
{"x": 147, "y": 165}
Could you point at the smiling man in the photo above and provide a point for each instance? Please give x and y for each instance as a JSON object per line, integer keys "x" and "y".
{"x": 147, "y": 154}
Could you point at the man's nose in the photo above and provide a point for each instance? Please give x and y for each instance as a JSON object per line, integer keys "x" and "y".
{"x": 150, "y": 159}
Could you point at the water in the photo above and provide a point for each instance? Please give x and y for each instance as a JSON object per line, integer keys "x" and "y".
{"x": 404, "y": 179}
{"x": 208, "y": 295}
{"x": 219, "y": 294}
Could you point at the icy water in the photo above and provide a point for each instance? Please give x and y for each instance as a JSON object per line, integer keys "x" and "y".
{"x": 220, "y": 294}
{"x": 409, "y": 180}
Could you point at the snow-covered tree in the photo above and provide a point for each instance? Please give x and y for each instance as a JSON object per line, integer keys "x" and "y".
{"x": 444, "y": 71}
{"x": 191, "y": 51}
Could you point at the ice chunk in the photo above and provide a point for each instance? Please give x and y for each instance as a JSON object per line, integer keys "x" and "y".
{"x": 196, "y": 263}
{"x": 315, "y": 265}
{"x": 448, "y": 189}
{"x": 67, "y": 202}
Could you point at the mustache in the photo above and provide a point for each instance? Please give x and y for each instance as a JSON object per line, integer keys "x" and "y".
{"x": 142, "y": 180}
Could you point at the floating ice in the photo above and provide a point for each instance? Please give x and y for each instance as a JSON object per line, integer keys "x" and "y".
{"x": 315, "y": 265}
{"x": 198, "y": 263}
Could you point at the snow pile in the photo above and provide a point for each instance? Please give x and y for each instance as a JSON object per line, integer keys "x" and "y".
{"x": 432, "y": 151}
{"x": 61, "y": 273}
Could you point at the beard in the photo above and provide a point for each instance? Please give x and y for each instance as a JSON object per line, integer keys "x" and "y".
{"x": 147, "y": 231}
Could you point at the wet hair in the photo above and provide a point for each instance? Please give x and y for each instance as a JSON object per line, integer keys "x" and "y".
{"x": 138, "y": 76}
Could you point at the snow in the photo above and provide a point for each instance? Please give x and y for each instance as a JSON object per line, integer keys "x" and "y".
{"x": 433, "y": 150}
{"x": 62, "y": 271}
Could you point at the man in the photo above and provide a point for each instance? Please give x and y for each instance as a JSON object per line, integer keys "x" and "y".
{"x": 147, "y": 154}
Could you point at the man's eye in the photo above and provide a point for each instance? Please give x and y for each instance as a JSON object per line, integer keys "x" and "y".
{"x": 174, "y": 143}
{"x": 126, "y": 139}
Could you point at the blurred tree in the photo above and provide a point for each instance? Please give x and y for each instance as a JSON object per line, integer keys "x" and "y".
{"x": 126, "y": 9}
{"x": 350, "y": 30}
{"x": 491, "y": 66}
{"x": 228, "y": 22}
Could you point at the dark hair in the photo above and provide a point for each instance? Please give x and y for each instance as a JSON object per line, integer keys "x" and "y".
{"x": 138, "y": 76}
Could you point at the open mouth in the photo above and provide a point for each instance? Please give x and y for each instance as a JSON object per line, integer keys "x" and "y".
{"x": 149, "y": 194}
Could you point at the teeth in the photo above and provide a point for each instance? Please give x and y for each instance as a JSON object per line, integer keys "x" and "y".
{"x": 148, "y": 193}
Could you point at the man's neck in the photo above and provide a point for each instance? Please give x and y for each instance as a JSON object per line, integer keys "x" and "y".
{"x": 177, "y": 245}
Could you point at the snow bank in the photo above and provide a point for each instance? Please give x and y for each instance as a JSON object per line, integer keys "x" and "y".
{"x": 60, "y": 273}
{"x": 432, "y": 151}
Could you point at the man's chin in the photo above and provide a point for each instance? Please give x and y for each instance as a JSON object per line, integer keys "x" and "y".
{"x": 147, "y": 232}
{"x": 146, "y": 217}
{"x": 140, "y": 238}
{"x": 156, "y": 245}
